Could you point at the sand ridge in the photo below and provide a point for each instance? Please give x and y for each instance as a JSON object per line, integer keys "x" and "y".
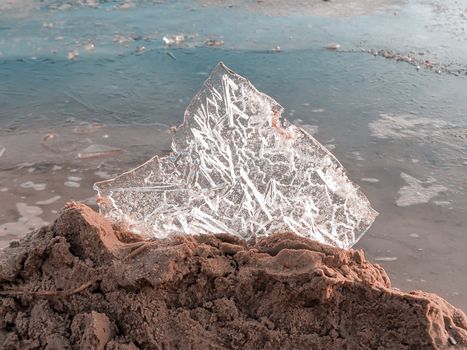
{"x": 80, "y": 283}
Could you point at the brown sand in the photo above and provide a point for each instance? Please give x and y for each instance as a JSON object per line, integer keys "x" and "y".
{"x": 81, "y": 284}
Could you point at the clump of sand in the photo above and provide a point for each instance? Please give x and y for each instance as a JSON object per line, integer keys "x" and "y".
{"x": 81, "y": 284}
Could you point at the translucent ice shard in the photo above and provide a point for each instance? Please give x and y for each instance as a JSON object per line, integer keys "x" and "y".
{"x": 237, "y": 168}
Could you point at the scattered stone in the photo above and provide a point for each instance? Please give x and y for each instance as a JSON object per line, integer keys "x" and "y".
{"x": 173, "y": 39}
{"x": 332, "y": 46}
{"x": 122, "y": 39}
{"x": 140, "y": 50}
{"x": 89, "y": 46}
{"x": 213, "y": 42}
{"x": 418, "y": 62}
{"x": 127, "y": 4}
{"x": 73, "y": 55}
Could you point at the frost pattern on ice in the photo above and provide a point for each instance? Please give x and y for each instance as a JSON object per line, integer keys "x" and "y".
{"x": 237, "y": 168}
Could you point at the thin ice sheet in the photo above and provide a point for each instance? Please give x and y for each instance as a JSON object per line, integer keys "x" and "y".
{"x": 237, "y": 168}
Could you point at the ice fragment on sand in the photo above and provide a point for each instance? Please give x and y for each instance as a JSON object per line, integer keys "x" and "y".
{"x": 214, "y": 42}
{"x": 72, "y": 55}
{"x": 30, "y": 184}
{"x": 98, "y": 151}
{"x": 406, "y": 126}
{"x": 442, "y": 203}
{"x": 71, "y": 184}
{"x": 29, "y": 219}
{"x": 332, "y": 46}
{"x": 417, "y": 191}
{"x": 173, "y": 39}
{"x": 386, "y": 258}
{"x": 49, "y": 201}
{"x": 102, "y": 174}
{"x": 370, "y": 180}
{"x": 237, "y": 168}
{"x": 74, "y": 178}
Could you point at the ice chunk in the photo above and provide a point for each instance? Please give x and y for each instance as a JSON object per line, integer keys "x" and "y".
{"x": 98, "y": 151}
{"x": 173, "y": 39}
{"x": 49, "y": 201}
{"x": 235, "y": 167}
{"x": 417, "y": 191}
{"x": 407, "y": 126}
{"x": 30, "y": 184}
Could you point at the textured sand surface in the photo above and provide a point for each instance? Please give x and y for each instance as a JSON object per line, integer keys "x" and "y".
{"x": 80, "y": 284}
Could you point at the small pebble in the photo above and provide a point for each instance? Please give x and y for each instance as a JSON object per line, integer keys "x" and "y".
{"x": 332, "y": 46}
{"x": 89, "y": 47}
{"x": 213, "y": 42}
{"x": 72, "y": 55}
{"x": 452, "y": 341}
{"x": 140, "y": 50}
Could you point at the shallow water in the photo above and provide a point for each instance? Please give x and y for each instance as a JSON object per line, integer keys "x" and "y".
{"x": 381, "y": 118}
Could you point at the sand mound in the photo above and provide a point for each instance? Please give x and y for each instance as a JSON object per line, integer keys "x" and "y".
{"x": 81, "y": 284}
